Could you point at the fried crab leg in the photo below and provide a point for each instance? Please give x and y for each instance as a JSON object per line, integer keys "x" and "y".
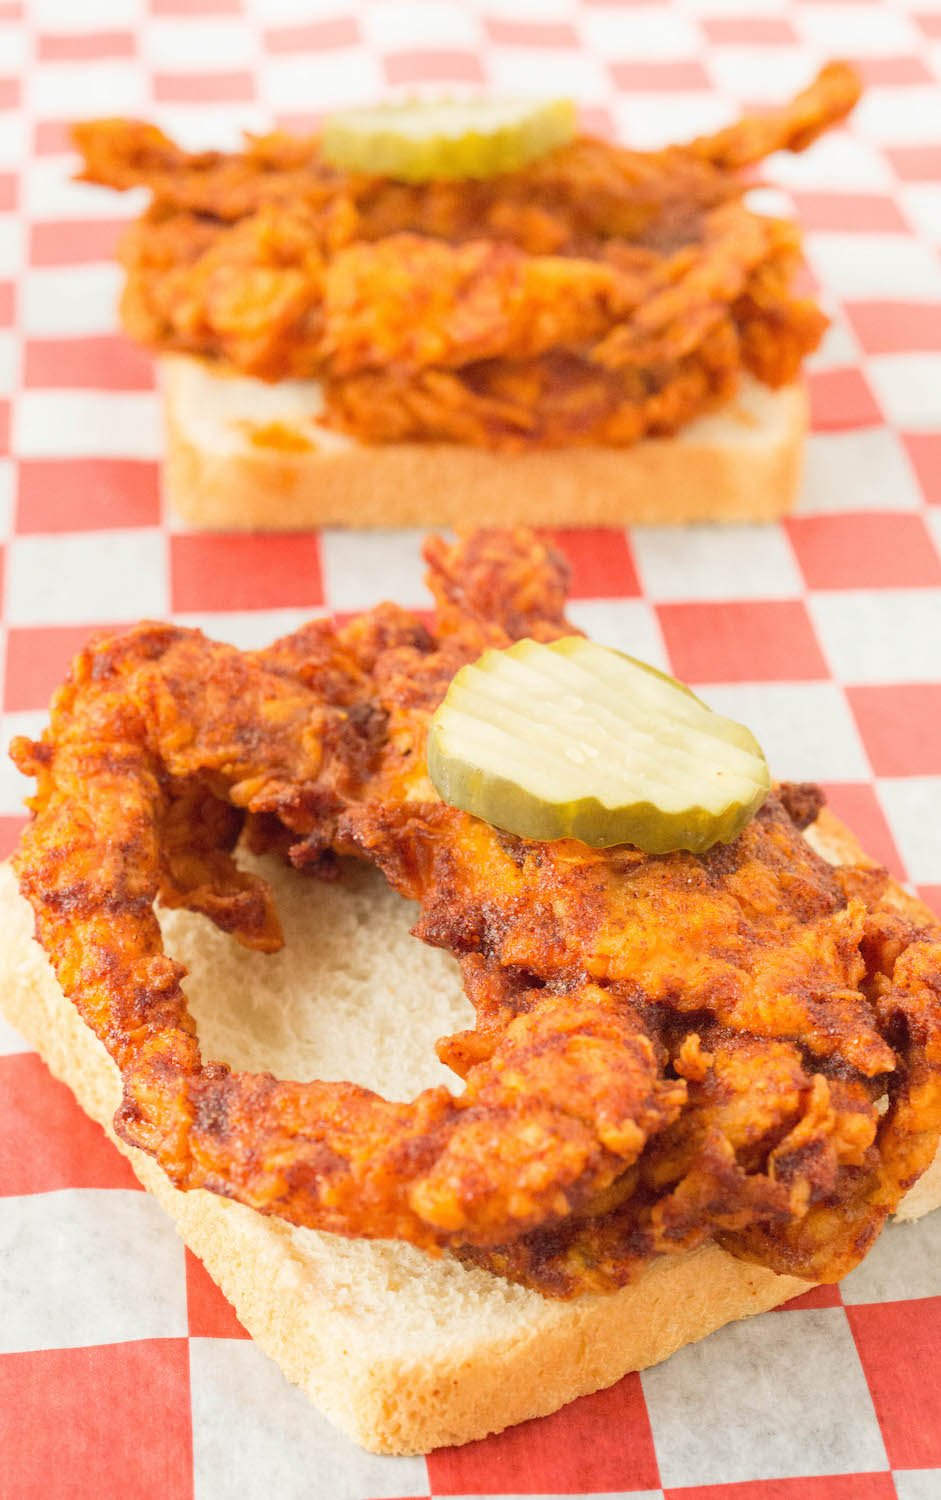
{"x": 666, "y": 1049}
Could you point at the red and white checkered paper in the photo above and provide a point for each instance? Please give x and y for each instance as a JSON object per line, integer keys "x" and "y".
{"x": 122, "y": 1369}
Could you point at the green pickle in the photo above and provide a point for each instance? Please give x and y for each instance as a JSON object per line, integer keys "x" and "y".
{"x": 447, "y": 139}
{"x": 575, "y": 740}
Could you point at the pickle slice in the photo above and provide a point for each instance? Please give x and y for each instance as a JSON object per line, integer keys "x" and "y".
{"x": 575, "y": 740}
{"x": 440, "y": 140}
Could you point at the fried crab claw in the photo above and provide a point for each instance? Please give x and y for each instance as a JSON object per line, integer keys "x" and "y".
{"x": 743, "y": 1045}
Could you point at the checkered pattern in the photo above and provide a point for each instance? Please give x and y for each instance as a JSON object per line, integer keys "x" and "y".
{"x": 122, "y": 1368}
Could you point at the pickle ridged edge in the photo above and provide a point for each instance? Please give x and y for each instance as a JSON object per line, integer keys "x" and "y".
{"x": 587, "y": 806}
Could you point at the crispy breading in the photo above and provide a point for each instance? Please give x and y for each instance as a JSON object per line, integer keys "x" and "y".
{"x": 595, "y": 296}
{"x": 744, "y": 1045}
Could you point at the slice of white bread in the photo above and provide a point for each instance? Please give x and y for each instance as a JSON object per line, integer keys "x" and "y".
{"x": 404, "y": 1352}
{"x": 243, "y": 455}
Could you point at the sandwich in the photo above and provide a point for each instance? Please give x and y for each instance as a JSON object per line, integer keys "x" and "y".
{"x": 689, "y": 1036}
{"x": 435, "y": 311}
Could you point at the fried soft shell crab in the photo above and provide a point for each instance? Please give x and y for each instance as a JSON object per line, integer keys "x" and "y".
{"x": 743, "y": 1045}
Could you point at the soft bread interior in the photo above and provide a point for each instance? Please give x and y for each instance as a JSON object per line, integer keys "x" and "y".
{"x": 245, "y": 454}
{"x": 403, "y": 1351}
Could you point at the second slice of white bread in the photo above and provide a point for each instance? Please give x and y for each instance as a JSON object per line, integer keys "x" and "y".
{"x": 245, "y": 455}
{"x": 403, "y": 1352}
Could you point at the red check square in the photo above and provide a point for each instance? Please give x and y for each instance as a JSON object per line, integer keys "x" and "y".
{"x": 856, "y": 804}
{"x": 8, "y": 192}
{"x": 314, "y": 36}
{"x": 51, "y": 137}
{"x": 899, "y": 1344}
{"x": 924, "y": 450}
{"x": 38, "y": 658}
{"x": 915, "y": 163}
{"x": 530, "y": 33}
{"x": 896, "y": 327}
{"x": 826, "y": 1487}
{"x": 818, "y": 1296}
{"x": 596, "y": 120}
{"x": 931, "y": 895}
{"x": 433, "y": 67}
{"x": 100, "y": 1421}
{"x": 841, "y": 398}
{"x": 750, "y": 30}
{"x": 742, "y": 641}
{"x": 599, "y": 1443}
{"x": 10, "y": 93}
{"x": 881, "y": 72}
{"x": 901, "y": 727}
{"x": 245, "y": 572}
{"x": 108, "y": 363}
{"x": 864, "y": 550}
{"x": 10, "y": 830}
{"x": 84, "y": 46}
{"x": 74, "y": 242}
{"x": 204, "y": 88}
{"x": 196, "y": 7}
{"x": 210, "y": 1314}
{"x": 86, "y": 494}
{"x": 930, "y": 24}
{"x": 685, "y": 73}
{"x": 602, "y": 563}
{"x": 869, "y": 213}
{"x": 46, "y": 1141}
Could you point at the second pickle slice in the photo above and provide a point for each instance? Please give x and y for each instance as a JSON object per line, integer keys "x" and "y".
{"x": 575, "y": 740}
{"x": 426, "y": 140}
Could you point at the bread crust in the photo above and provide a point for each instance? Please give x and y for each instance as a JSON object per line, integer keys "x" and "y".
{"x": 740, "y": 464}
{"x": 399, "y": 1394}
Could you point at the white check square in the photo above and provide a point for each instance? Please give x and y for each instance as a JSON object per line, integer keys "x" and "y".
{"x": 857, "y": 30}
{"x": 50, "y": 192}
{"x": 97, "y": 576}
{"x": 805, "y": 728}
{"x": 766, "y": 74}
{"x": 575, "y": 75}
{"x": 91, "y": 15}
{"x": 908, "y": 387}
{"x": 917, "y": 1484}
{"x": 636, "y": 32}
{"x": 79, "y": 424}
{"x": 320, "y": 80}
{"x": 407, "y": 25}
{"x": 865, "y": 469}
{"x": 255, "y": 1434}
{"x": 651, "y": 120}
{"x": 70, "y": 90}
{"x": 879, "y": 635}
{"x": 839, "y": 161}
{"x": 913, "y": 808}
{"x": 627, "y": 624}
{"x": 361, "y": 567}
{"x": 900, "y": 117}
{"x": 874, "y": 265}
{"x": 248, "y": 629}
{"x": 14, "y": 787}
{"x": 216, "y": 127}
{"x": 65, "y": 303}
{"x": 905, "y": 1262}
{"x": 88, "y": 1266}
{"x": 215, "y": 44}
{"x": 727, "y": 1409}
{"x": 10, "y": 1041}
{"x": 709, "y": 562}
